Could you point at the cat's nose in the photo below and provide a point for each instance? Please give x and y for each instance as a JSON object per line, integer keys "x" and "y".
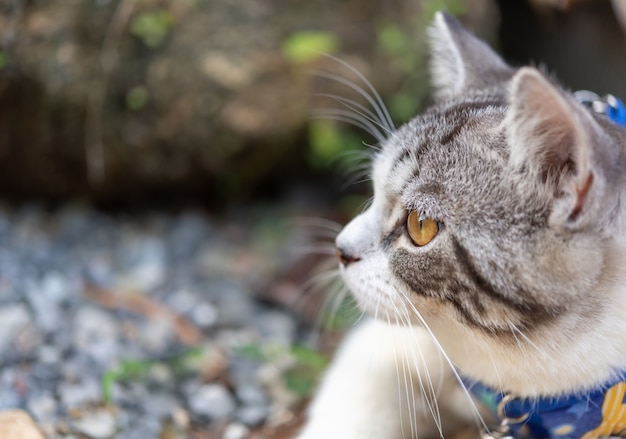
{"x": 345, "y": 257}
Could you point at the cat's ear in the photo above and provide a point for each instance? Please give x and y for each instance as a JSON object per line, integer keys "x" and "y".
{"x": 460, "y": 61}
{"x": 552, "y": 140}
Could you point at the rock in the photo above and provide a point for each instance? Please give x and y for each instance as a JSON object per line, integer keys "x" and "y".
{"x": 252, "y": 416}
{"x": 161, "y": 405}
{"x": 43, "y": 407}
{"x": 276, "y": 327}
{"x": 16, "y": 424}
{"x": 156, "y": 334}
{"x": 96, "y": 334}
{"x": 15, "y": 322}
{"x": 100, "y": 424}
{"x": 204, "y": 315}
{"x": 235, "y": 431}
{"x": 79, "y": 394}
{"x": 143, "y": 260}
{"x": 212, "y": 401}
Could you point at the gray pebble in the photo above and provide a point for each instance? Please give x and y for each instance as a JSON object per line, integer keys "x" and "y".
{"x": 252, "y": 416}
{"x": 43, "y": 407}
{"x": 14, "y": 320}
{"x": 212, "y": 401}
{"x": 235, "y": 431}
{"x": 97, "y": 425}
{"x": 75, "y": 395}
{"x": 96, "y": 334}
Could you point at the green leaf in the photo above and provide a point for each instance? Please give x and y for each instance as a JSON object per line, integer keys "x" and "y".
{"x": 393, "y": 40}
{"x": 302, "y": 47}
{"x": 108, "y": 379}
{"x": 152, "y": 27}
{"x": 308, "y": 357}
{"x": 454, "y": 7}
{"x": 254, "y": 351}
{"x": 137, "y": 98}
{"x": 301, "y": 381}
{"x": 327, "y": 142}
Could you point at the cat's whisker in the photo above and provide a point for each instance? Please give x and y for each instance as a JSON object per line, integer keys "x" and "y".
{"x": 529, "y": 342}
{"x": 366, "y": 204}
{"x": 318, "y": 249}
{"x": 356, "y": 157}
{"x": 320, "y": 223}
{"x": 352, "y": 119}
{"x": 376, "y": 102}
{"x": 356, "y": 178}
{"x": 357, "y": 109}
{"x": 399, "y": 385}
{"x": 316, "y": 283}
{"x": 428, "y": 392}
{"x": 334, "y": 304}
{"x": 481, "y": 422}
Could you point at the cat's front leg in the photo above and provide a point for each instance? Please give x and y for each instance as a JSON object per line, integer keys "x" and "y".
{"x": 382, "y": 385}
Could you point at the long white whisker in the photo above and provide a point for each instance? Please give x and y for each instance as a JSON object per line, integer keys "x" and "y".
{"x": 473, "y": 406}
{"x": 321, "y": 223}
{"x": 428, "y": 390}
{"x": 379, "y": 108}
{"x": 395, "y": 359}
{"x": 379, "y": 105}
{"x": 350, "y": 118}
{"x": 357, "y": 108}
{"x": 324, "y": 248}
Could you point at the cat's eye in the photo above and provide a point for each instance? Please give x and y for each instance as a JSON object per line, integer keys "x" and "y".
{"x": 421, "y": 229}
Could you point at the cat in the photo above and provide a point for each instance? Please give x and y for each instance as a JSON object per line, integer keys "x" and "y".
{"x": 493, "y": 262}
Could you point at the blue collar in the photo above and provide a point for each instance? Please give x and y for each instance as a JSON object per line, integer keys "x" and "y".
{"x": 609, "y": 105}
{"x": 589, "y": 415}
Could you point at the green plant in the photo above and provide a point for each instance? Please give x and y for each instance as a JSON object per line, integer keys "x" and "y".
{"x": 126, "y": 370}
{"x": 132, "y": 369}
{"x": 327, "y": 142}
{"x": 304, "y": 370}
{"x": 302, "y": 47}
{"x": 3, "y": 59}
{"x": 152, "y": 27}
{"x": 406, "y": 48}
{"x": 137, "y": 98}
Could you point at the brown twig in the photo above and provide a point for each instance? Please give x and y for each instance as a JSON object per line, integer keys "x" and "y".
{"x": 144, "y": 305}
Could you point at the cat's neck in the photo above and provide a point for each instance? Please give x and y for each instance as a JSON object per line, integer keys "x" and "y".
{"x": 576, "y": 357}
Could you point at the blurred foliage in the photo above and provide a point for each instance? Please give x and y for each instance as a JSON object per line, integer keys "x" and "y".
{"x": 406, "y": 50}
{"x": 3, "y": 59}
{"x": 430, "y": 7}
{"x": 303, "y": 47}
{"x": 305, "y": 365}
{"x": 137, "y": 98}
{"x": 342, "y": 314}
{"x": 152, "y": 27}
{"x": 131, "y": 369}
{"x": 328, "y": 142}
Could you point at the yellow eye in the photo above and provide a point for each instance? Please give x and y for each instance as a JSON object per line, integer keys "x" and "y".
{"x": 422, "y": 230}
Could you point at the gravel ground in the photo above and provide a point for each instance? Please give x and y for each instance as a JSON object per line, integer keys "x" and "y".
{"x": 153, "y": 325}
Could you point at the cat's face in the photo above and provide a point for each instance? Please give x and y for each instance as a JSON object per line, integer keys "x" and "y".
{"x": 516, "y": 188}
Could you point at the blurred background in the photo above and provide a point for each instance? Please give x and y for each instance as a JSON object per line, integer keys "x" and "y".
{"x": 172, "y": 174}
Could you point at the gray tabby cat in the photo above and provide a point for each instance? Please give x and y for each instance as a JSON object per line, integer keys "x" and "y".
{"x": 494, "y": 252}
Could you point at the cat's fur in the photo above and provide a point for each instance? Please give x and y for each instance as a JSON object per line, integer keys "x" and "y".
{"x": 524, "y": 287}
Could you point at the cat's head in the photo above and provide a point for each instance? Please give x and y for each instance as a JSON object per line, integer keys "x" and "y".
{"x": 498, "y": 210}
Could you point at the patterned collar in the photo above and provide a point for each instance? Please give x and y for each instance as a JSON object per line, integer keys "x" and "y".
{"x": 590, "y": 415}
{"x": 609, "y": 105}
